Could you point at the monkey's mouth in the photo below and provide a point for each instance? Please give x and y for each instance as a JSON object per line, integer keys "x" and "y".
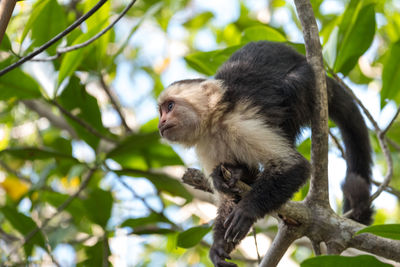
{"x": 165, "y": 128}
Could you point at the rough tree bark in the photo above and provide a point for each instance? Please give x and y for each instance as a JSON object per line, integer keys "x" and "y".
{"x": 6, "y": 10}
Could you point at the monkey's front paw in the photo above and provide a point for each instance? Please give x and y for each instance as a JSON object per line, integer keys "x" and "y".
{"x": 218, "y": 256}
{"x": 225, "y": 177}
{"x": 238, "y": 224}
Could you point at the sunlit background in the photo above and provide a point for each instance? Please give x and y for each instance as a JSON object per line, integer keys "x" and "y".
{"x": 164, "y": 51}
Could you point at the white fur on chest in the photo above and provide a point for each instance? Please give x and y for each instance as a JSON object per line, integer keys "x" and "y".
{"x": 242, "y": 136}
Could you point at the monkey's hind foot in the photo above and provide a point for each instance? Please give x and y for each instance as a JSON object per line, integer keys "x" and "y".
{"x": 218, "y": 256}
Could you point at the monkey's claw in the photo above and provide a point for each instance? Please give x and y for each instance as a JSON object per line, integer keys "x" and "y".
{"x": 238, "y": 224}
{"x": 225, "y": 177}
{"x": 218, "y": 256}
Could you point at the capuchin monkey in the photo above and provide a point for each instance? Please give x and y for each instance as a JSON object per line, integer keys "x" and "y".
{"x": 246, "y": 120}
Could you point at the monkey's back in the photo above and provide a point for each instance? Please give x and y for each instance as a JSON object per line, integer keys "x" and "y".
{"x": 273, "y": 77}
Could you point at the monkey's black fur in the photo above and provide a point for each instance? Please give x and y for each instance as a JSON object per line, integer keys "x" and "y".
{"x": 281, "y": 83}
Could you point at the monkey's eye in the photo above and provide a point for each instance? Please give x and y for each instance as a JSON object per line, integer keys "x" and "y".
{"x": 170, "y": 105}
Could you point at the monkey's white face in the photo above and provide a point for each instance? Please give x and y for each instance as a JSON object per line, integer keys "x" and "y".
{"x": 179, "y": 122}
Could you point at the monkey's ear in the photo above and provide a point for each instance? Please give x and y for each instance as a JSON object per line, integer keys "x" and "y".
{"x": 213, "y": 90}
{"x": 212, "y": 86}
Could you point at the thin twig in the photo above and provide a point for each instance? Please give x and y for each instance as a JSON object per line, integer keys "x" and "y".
{"x": 389, "y": 189}
{"x": 98, "y": 35}
{"x": 358, "y": 101}
{"x": 14, "y": 172}
{"x": 63, "y": 206}
{"x": 114, "y": 103}
{"x": 83, "y": 123}
{"x": 55, "y": 39}
{"x": 48, "y": 248}
{"x": 337, "y": 143}
{"x": 8, "y": 237}
{"x": 392, "y": 121}
{"x": 106, "y": 249}
{"x": 135, "y": 195}
{"x": 256, "y": 244}
{"x": 393, "y": 143}
{"x": 45, "y": 110}
{"x": 64, "y": 50}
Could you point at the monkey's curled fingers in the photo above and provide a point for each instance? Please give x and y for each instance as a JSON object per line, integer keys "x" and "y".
{"x": 238, "y": 224}
{"x": 218, "y": 256}
{"x": 225, "y": 177}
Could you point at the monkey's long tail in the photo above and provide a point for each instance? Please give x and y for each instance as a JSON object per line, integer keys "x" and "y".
{"x": 356, "y": 187}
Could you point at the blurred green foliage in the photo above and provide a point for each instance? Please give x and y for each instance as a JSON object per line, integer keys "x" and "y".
{"x": 39, "y": 166}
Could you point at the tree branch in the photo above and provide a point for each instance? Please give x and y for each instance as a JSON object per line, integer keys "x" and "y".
{"x": 114, "y": 103}
{"x": 44, "y": 110}
{"x": 377, "y": 245}
{"x": 55, "y": 39}
{"x": 393, "y": 143}
{"x": 83, "y": 123}
{"x": 67, "y": 49}
{"x": 285, "y": 237}
{"x": 388, "y": 189}
{"x": 6, "y": 10}
{"x": 392, "y": 121}
{"x": 337, "y": 232}
{"x": 337, "y": 143}
{"x": 319, "y": 126}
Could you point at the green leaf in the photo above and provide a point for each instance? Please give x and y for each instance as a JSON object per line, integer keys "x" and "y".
{"x": 98, "y": 206}
{"x": 358, "y": 77}
{"x": 33, "y": 153}
{"x": 199, "y": 20}
{"x": 102, "y": 14}
{"x": 259, "y": 33}
{"x": 394, "y": 131}
{"x": 391, "y": 231}
{"x": 17, "y": 84}
{"x": 158, "y": 87}
{"x": 95, "y": 255}
{"x": 152, "y": 219}
{"x": 150, "y": 127}
{"x": 101, "y": 44}
{"x": 161, "y": 181}
{"x": 73, "y": 59}
{"x": 143, "y": 151}
{"x": 46, "y": 21}
{"x": 5, "y": 44}
{"x": 348, "y": 17}
{"x": 330, "y": 48}
{"x": 24, "y": 225}
{"x": 75, "y": 208}
{"x": 53, "y": 139}
{"x": 391, "y": 75}
{"x": 192, "y": 236}
{"x": 75, "y": 99}
{"x": 357, "y": 40}
{"x": 209, "y": 62}
{"x": 334, "y": 261}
